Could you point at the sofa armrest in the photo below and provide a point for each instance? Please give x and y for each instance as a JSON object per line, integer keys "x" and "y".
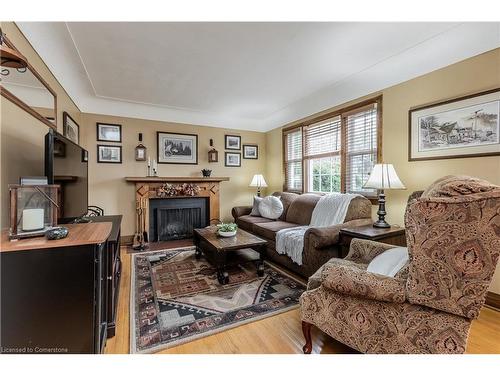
{"x": 353, "y": 281}
{"x": 329, "y": 236}
{"x": 240, "y": 211}
{"x": 363, "y": 251}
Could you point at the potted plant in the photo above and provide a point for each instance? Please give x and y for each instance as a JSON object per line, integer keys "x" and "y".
{"x": 227, "y": 230}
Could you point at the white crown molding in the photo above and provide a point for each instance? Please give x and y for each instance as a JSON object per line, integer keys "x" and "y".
{"x": 54, "y": 44}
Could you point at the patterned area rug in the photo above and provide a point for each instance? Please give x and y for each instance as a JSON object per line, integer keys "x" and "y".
{"x": 177, "y": 298}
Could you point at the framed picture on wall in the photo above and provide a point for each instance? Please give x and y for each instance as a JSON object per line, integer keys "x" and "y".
{"x": 109, "y": 132}
{"x": 109, "y": 154}
{"x": 250, "y": 152}
{"x": 71, "y": 129}
{"x": 177, "y": 148}
{"x": 233, "y": 142}
{"x": 232, "y": 159}
{"x": 468, "y": 126}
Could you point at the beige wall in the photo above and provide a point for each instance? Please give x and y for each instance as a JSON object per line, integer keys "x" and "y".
{"x": 472, "y": 75}
{"x": 109, "y": 190}
{"x": 22, "y": 136}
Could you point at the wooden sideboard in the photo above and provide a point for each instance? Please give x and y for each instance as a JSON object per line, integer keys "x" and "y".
{"x": 54, "y": 296}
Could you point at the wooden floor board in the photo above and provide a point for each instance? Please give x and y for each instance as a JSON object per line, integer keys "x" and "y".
{"x": 278, "y": 334}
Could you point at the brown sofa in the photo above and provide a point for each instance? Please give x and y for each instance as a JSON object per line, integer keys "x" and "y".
{"x": 320, "y": 244}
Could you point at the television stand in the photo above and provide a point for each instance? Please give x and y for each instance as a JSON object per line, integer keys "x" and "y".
{"x": 113, "y": 266}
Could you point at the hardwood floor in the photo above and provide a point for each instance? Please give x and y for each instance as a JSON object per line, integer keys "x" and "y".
{"x": 279, "y": 334}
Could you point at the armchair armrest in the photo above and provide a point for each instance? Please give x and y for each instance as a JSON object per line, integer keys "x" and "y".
{"x": 328, "y": 236}
{"x": 358, "y": 282}
{"x": 363, "y": 251}
{"x": 240, "y": 211}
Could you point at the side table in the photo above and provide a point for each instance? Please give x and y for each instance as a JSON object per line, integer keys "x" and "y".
{"x": 395, "y": 235}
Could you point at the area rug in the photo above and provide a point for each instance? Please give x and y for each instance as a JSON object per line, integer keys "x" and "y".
{"x": 176, "y": 298}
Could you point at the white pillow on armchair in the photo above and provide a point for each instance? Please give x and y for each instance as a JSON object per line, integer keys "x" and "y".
{"x": 389, "y": 262}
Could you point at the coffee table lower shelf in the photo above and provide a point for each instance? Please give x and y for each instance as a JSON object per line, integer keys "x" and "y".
{"x": 222, "y": 252}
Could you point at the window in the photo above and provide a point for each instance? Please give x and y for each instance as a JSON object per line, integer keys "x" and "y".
{"x": 322, "y": 155}
{"x": 293, "y": 160}
{"x": 334, "y": 153}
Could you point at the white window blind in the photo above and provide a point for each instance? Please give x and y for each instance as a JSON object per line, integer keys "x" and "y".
{"x": 323, "y": 139}
{"x": 361, "y": 148}
{"x": 335, "y": 154}
{"x": 293, "y": 160}
{"x": 322, "y": 154}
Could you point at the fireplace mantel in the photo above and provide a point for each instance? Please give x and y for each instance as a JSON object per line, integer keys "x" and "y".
{"x": 176, "y": 179}
{"x": 146, "y": 188}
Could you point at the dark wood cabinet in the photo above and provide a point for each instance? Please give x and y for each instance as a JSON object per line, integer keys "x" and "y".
{"x": 113, "y": 270}
{"x": 55, "y": 294}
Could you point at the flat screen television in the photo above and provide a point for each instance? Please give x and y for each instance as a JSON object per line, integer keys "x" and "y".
{"x": 66, "y": 164}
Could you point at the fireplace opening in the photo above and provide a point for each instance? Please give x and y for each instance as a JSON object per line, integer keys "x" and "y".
{"x": 175, "y": 218}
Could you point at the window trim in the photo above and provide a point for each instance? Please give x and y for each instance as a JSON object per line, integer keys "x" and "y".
{"x": 343, "y": 112}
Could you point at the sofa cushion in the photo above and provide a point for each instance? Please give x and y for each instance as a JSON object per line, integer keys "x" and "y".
{"x": 271, "y": 207}
{"x": 255, "y": 206}
{"x": 268, "y": 230}
{"x": 286, "y": 199}
{"x": 246, "y": 222}
{"x": 301, "y": 209}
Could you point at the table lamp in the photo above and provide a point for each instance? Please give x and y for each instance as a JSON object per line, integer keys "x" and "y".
{"x": 258, "y": 182}
{"x": 383, "y": 176}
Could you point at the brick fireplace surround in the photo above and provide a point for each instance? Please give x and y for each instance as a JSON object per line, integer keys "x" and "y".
{"x": 147, "y": 188}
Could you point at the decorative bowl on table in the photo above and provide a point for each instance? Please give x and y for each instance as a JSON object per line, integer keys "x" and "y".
{"x": 227, "y": 230}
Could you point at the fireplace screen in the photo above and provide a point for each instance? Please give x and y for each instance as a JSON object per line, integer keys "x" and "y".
{"x": 173, "y": 218}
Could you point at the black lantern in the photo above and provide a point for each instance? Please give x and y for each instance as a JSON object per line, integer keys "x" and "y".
{"x": 213, "y": 154}
{"x": 140, "y": 150}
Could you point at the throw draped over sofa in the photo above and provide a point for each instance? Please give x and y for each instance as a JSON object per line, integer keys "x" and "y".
{"x": 453, "y": 237}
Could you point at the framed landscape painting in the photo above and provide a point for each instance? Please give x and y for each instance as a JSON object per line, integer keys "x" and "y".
{"x": 177, "y": 148}
{"x": 250, "y": 152}
{"x": 465, "y": 127}
{"x": 71, "y": 129}
{"x": 109, "y": 154}
{"x": 109, "y": 132}
{"x": 233, "y": 142}
{"x": 232, "y": 159}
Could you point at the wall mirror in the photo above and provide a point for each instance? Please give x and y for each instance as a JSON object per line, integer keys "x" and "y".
{"x": 27, "y": 89}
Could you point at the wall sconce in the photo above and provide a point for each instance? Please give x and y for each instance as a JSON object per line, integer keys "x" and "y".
{"x": 213, "y": 154}
{"x": 140, "y": 150}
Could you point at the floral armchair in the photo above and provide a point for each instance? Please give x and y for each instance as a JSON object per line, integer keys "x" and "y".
{"x": 453, "y": 237}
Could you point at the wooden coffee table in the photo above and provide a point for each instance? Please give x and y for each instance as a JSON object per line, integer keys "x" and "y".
{"x": 216, "y": 248}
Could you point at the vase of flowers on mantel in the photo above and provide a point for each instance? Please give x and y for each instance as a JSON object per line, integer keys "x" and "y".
{"x": 227, "y": 229}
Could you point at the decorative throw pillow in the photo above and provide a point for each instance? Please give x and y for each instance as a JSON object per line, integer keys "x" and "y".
{"x": 271, "y": 207}
{"x": 255, "y": 208}
{"x": 389, "y": 262}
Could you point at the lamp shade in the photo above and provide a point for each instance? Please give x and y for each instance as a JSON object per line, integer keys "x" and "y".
{"x": 258, "y": 181}
{"x": 383, "y": 176}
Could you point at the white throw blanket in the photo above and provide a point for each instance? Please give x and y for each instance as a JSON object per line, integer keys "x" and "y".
{"x": 330, "y": 210}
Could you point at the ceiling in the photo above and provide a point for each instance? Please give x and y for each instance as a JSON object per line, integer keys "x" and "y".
{"x": 254, "y": 76}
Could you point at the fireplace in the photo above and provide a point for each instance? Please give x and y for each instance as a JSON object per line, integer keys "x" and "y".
{"x": 148, "y": 189}
{"x": 175, "y": 218}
